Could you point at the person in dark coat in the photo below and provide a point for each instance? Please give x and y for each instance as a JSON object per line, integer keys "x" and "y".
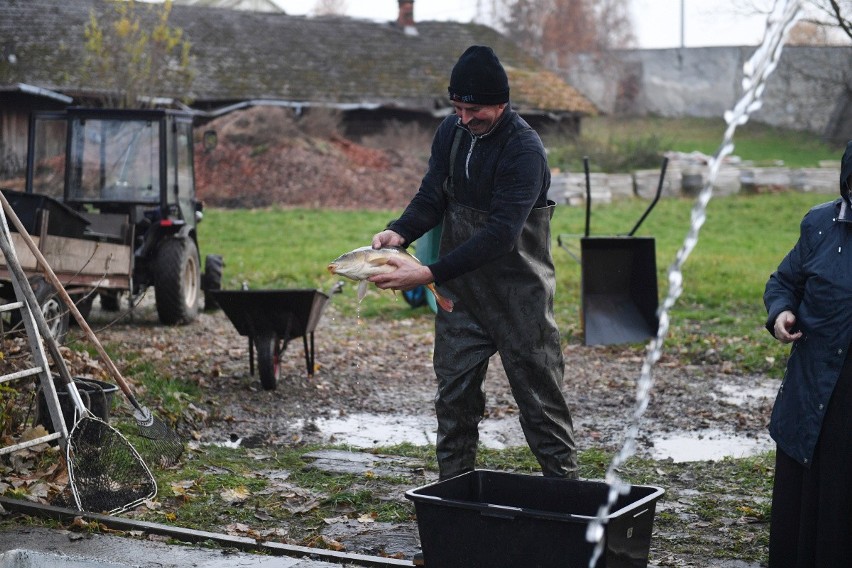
{"x": 486, "y": 186}
{"x": 808, "y": 301}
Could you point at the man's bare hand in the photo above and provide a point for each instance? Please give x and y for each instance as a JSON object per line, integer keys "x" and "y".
{"x": 409, "y": 274}
{"x": 387, "y": 238}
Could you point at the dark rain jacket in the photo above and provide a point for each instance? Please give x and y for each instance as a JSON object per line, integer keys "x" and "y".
{"x": 508, "y": 169}
{"x": 814, "y": 281}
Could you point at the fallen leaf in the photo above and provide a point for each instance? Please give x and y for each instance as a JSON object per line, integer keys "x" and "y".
{"x": 276, "y": 533}
{"x": 331, "y": 543}
{"x": 33, "y": 433}
{"x": 181, "y": 488}
{"x": 303, "y": 508}
{"x": 80, "y": 523}
{"x": 235, "y": 495}
{"x": 367, "y": 518}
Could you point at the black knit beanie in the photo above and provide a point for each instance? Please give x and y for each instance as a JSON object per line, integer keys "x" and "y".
{"x": 479, "y": 78}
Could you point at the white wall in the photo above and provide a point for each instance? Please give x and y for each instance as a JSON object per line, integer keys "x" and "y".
{"x": 811, "y": 89}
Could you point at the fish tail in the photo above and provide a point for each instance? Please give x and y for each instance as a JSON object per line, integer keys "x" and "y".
{"x": 445, "y": 303}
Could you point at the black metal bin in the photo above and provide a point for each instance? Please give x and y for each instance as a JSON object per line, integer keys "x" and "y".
{"x": 496, "y": 519}
{"x": 619, "y": 280}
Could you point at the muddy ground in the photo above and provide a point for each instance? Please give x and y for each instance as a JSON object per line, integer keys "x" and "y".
{"x": 384, "y": 369}
{"x": 374, "y": 383}
{"x": 367, "y": 369}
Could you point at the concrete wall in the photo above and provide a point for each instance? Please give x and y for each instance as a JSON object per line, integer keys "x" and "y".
{"x": 811, "y": 88}
{"x": 686, "y": 175}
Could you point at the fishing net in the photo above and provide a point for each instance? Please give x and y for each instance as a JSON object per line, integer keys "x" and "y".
{"x": 105, "y": 471}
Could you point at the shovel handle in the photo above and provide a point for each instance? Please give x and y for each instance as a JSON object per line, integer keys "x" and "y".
{"x": 656, "y": 197}
{"x": 72, "y": 307}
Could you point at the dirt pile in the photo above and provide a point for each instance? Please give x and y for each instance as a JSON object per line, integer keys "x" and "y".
{"x": 265, "y": 156}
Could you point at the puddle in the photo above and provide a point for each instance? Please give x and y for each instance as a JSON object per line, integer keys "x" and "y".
{"x": 366, "y": 431}
{"x": 743, "y": 396}
{"x": 712, "y": 445}
{"x": 370, "y": 430}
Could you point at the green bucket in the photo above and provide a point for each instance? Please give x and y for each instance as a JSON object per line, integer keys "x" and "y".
{"x": 426, "y": 250}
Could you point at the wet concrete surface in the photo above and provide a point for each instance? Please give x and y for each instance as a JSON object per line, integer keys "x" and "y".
{"x": 28, "y": 547}
{"x": 121, "y": 542}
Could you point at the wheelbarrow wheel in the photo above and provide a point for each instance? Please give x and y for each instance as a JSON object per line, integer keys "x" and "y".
{"x": 267, "y": 361}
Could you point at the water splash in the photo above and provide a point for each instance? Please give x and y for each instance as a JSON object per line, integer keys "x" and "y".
{"x": 755, "y": 73}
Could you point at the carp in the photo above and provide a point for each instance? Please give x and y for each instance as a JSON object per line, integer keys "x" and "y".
{"x": 363, "y": 262}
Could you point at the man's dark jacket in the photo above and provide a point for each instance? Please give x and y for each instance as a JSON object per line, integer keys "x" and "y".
{"x": 509, "y": 175}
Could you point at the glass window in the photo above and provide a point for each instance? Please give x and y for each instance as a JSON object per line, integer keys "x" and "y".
{"x": 115, "y": 161}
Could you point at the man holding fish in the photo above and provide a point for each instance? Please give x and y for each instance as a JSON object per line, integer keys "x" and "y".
{"x": 487, "y": 185}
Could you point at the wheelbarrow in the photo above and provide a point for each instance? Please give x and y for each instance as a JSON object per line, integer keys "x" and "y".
{"x": 270, "y": 319}
{"x": 618, "y": 280}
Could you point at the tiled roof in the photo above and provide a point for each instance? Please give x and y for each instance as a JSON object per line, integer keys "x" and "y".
{"x": 240, "y": 55}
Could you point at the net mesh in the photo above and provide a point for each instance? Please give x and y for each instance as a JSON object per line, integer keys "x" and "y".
{"x": 107, "y": 474}
{"x": 155, "y": 440}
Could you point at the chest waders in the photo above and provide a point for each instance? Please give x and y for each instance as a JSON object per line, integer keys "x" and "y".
{"x": 505, "y": 306}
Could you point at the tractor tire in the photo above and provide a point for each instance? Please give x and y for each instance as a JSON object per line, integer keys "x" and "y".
{"x": 52, "y": 308}
{"x": 110, "y": 300}
{"x": 213, "y": 267}
{"x": 267, "y": 361}
{"x": 177, "y": 281}
{"x": 84, "y": 305}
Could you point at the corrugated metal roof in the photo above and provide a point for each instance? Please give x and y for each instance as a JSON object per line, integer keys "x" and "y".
{"x": 241, "y": 55}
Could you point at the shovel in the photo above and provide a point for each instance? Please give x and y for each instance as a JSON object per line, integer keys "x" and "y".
{"x": 160, "y": 441}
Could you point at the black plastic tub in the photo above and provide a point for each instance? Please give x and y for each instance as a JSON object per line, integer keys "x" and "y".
{"x": 96, "y": 396}
{"x": 496, "y": 519}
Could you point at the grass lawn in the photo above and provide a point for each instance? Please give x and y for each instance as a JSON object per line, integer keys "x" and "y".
{"x": 742, "y": 241}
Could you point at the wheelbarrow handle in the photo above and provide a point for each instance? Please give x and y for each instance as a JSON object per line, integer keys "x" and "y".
{"x": 656, "y": 197}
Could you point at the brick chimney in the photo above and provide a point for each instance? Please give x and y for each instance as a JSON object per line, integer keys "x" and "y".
{"x": 405, "y": 19}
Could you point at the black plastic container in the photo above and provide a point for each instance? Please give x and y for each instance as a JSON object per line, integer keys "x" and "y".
{"x": 496, "y": 519}
{"x": 96, "y": 395}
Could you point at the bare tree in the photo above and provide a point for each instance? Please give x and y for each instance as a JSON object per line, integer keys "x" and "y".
{"x": 135, "y": 57}
{"x": 330, "y": 8}
{"x": 840, "y": 11}
{"x": 805, "y": 32}
{"x": 831, "y": 17}
{"x": 555, "y": 30}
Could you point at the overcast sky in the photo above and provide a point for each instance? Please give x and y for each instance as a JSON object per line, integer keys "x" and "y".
{"x": 657, "y": 23}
